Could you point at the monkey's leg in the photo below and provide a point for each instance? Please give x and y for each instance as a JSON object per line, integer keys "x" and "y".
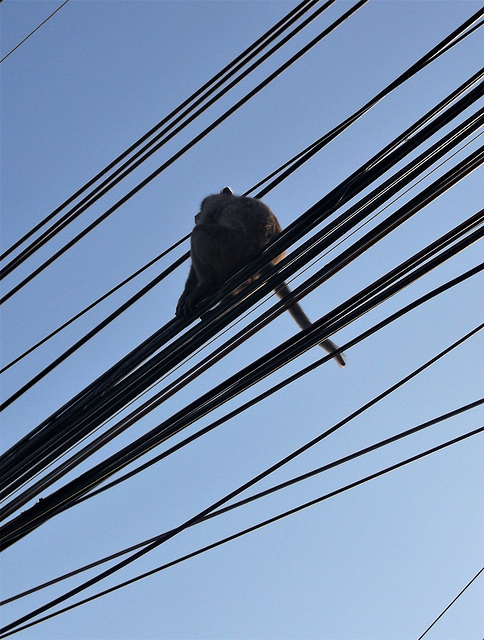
{"x": 282, "y": 291}
{"x": 215, "y": 257}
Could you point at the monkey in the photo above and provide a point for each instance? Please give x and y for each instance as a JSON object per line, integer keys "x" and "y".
{"x": 230, "y": 230}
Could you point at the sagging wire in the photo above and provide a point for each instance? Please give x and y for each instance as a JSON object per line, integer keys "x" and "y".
{"x": 473, "y": 159}
{"x": 14, "y": 626}
{"x": 259, "y": 495}
{"x": 181, "y": 152}
{"x": 266, "y": 365}
{"x": 307, "y": 153}
{"x": 196, "y": 98}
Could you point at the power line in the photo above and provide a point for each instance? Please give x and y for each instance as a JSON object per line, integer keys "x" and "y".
{"x": 138, "y": 158}
{"x": 11, "y": 628}
{"x": 32, "y": 32}
{"x": 33, "y": 443}
{"x": 444, "y": 46}
{"x": 306, "y": 154}
{"x": 62, "y": 498}
{"x": 261, "y": 494}
{"x": 382, "y": 193}
{"x": 451, "y": 603}
{"x": 197, "y": 97}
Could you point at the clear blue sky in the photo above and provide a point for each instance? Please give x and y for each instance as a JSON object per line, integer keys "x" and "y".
{"x": 377, "y": 563}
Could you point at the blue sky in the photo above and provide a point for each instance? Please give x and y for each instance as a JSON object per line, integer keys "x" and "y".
{"x": 378, "y": 562}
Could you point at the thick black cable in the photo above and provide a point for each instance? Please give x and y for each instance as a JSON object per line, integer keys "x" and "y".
{"x": 95, "y": 303}
{"x": 178, "y": 154}
{"x": 451, "y": 603}
{"x": 306, "y": 154}
{"x": 444, "y": 46}
{"x": 10, "y": 628}
{"x": 289, "y": 167}
{"x": 329, "y": 270}
{"x": 261, "y": 494}
{"x": 323, "y": 201}
{"x": 94, "y": 331}
{"x": 58, "y": 501}
{"x": 32, "y": 32}
{"x": 379, "y": 195}
{"x": 217, "y": 80}
{"x": 452, "y": 40}
{"x": 323, "y": 204}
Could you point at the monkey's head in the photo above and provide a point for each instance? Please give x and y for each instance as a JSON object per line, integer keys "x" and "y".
{"x": 213, "y": 202}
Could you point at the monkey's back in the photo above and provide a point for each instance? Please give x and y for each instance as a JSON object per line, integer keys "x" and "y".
{"x": 247, "y": 216}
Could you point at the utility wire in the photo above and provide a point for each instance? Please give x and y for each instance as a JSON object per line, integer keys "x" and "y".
{"x": 95, "y": 303}
{"x": 447, "y": 101}
{"x": 197, "y": 97}
{"x": 14, "y": 627}
{"x": 442, "y": 47}
{"x": 31, "y": 441}
{"x": 32, "y": 32}
{"x": 261, "y": 494}
{"x": 454, "y": 36}
{"x": 88, "y": 200}
{"x": 451, "y": 603}
{"x": 380, "y": 194}
{"x": 58, "y": 501}
{"x": 330, "y": 269}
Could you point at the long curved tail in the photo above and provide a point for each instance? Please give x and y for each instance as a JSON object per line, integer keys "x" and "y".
{"x": 282, "y": 291}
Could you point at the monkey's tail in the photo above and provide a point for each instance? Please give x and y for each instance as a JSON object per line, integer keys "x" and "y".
{"x": 282, "y": 291}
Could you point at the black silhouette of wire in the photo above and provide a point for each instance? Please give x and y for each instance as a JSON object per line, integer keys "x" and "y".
{"x": 477, "y": 157}
{"x": 62, "y": 498}
{"x": 32, "y": 32}
{"x": 294, "y": 163}
{"x": 262, "y": 494}
{"x": 88, "y": 201}
{"x": 197, "y": 98}
{"x": 95, "y": 303}
{"x": 451, "y": 603}
{"x": 14, "y": 627}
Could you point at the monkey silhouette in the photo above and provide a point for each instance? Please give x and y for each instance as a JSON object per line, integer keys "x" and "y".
{"x": 230, "y": 230}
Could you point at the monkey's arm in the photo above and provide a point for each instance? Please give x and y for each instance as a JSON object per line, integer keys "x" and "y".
{"x": 184, "y": 307}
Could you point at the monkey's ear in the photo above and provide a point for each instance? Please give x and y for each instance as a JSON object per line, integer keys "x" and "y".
{"x": 227, "y": 191}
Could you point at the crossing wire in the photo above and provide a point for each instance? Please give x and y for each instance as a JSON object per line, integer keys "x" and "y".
{"x": 294, "y": 164}
{"x": 34, "y": 442}
{"x": 451, "y": 603}
{"x": 259, "y": 495}
{"x": 15, "y": 627}
{"x": 182, "y": 151}
{"x": 448, "y": 42}
{"x": 473, "y": 432}
{"x": 368, "y": 240}
{"x": 32, "y": 33}
{"x": 413, "y": 168}
{"x": 197, "y": 98}
{"x": 441, "y": 48}
{"x": 355, "y": 307}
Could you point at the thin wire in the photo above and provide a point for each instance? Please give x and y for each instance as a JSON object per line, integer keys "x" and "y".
{"x": 10, "y": 628}
{"x": 469, "y": 83}
{"x": 110, "y": 434}
{"x": 63, "y": 498}
{"x": 259, "y": 495}
{"x": 217, "y": 80}
{"x": 454, "y": 600}
{"x": 32, "y": 32}
{"x": 382, "y": 192}
{"x": 107, "y": 436}
{"x": 94, "y": 304}
{"x": 90, "y": 200}
{"x": 27, "y": 462}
